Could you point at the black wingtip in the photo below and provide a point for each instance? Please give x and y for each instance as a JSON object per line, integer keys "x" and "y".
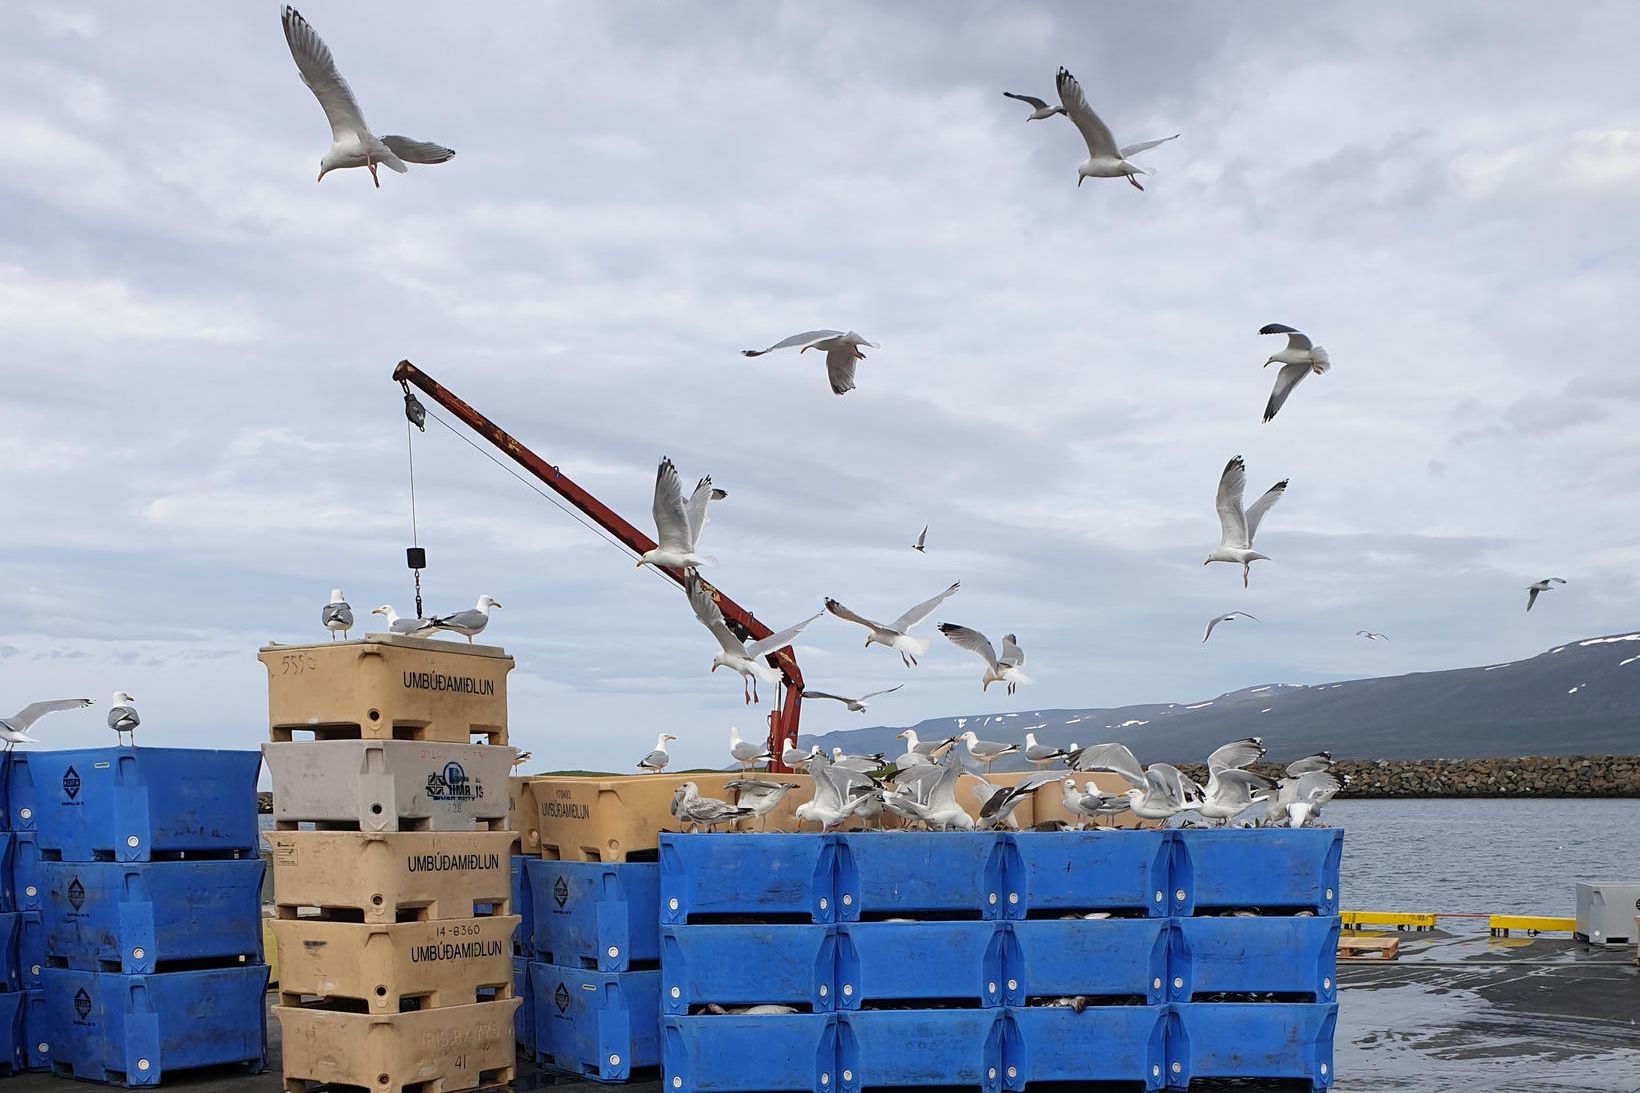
{"x": 1277, "y": 328}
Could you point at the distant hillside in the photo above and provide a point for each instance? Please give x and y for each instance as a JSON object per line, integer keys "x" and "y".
{"x": 1577, "y": 699}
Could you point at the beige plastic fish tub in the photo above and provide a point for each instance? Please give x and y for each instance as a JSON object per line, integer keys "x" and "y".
{"x": 446, "y": 1050}
{"x": 437, "y": 964}
{"x": 391, "y": 876}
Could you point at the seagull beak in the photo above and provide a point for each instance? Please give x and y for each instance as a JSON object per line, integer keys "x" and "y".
{"x": 638, "y": 566}
{"x": 1079, "y": 180}
{"x": 494, "y": 604}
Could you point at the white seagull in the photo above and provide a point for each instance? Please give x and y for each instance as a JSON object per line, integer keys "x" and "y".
{"x": 1159, "y": 791}
{"x": 1237, "y": 528}
{"x": 855, "y": 705}
{"x": 841, "y": 347}
{"x": 1040, "y": 755}
{"x": 1535, "y": 587}
{"x": 987, "y": 751}
{"x": 14, "y": 729}
{"x": 656, "y": 761}
{"x": 895, "y": 634}
{"x": 470, "y": 622}
{"x": 678, "y": 526}
{"x": 1230, "y": 791}
{"x": 736, "y": 655}
{"x": 1212, "y": 622}
{"x": 337, "y": 615}
{"x": 1004, "y": 668}
{"x": 1104, "y": 160}
{"x": 794, "y": 757}
{"x": 414, "y": 628}
{"x": 1298, "y": 360}
{"x": 1039, "y": 108}
{"x": 122, "y": 717}
{"x": 921, "y": 545}
{"x": 352, "y": 142}
{"x": 746, "y": 752}
{"x": 1371, "y": 635}
{"x": 705, "y": 812}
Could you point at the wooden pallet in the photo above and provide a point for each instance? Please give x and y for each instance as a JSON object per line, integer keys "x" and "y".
{"x": 1367, "y": 947}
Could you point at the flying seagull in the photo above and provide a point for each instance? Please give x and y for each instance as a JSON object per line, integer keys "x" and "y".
{"x": 14, "y": 729}
{"x": 736, "y": 655}
{"x": 470, "y": 622}
{"x": 1039, "y": 109}
{"x": 1104, "y": 160}
{"x": 841, "y": 347}
{"x": 1371, "y": 635}
{"x": 855, "y": 705}
{"x": 1535, "y": 587}
{"x": 122, "y": 717}
{"x": 414, "y": 628}
{"x": 998, "y": 669}
{"x": 352, "y": 142}
{"x": 656, "y": 761}
{"x": 921, "y": 545}
{"x": 677, "y": 525}
{"x": 1236, "y": 528}
{"x": 1212, "y": 622}
{"x": 337, "y": 615}
{"x": 894, "y": 635}
{"x": 1299, "y": 359}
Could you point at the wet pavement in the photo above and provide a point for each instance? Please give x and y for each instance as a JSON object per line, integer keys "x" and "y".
{"x": 1455, "y": 1013}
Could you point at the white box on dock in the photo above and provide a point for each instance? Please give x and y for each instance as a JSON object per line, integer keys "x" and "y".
{"x": 1606, "y": 912}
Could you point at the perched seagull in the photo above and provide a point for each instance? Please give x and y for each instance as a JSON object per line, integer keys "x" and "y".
{"x": 1372, "y": 636}
{"x": 1091, "y": 803}
{"x": 928, "y": 794}
{"x": 745, "y": 752}
{"x": 1230, "y": 791}
{"x": 656, "y": 761}
{"x": 352, "y": 142}
{"x": 1303, "y": 798}
{"x": 757, "y": 795}
{"x": 1104, "y": 160}
{"x": 855, "y": 705}
{"x": 895, "y": 635}
{"x": 1535, "y": 587}
{"x": 1236, "y": 528}
{"x": 931, "y": 748}
{"x": 707, "y": 812}
{"x": 998, "y": 669}
{"x": 1040, "y": 755}
{"x": 1298, "y": 360}
{"x": 1223, "y": 618}
{"x": 987, "y": 751}
{"x": 414, "y": 628}
{"x": 337, "y": 615}
{"x": 838, "y": 794}
{"x": 736, "y": 655}
{"x": 122, "y": 717}
{"x": 842, "y": 350}
{"x": 997, "y": 803}
{"x": 1039, "y": 109}
{"x": 921, "y": 545}
{"x": 471, "y": 622}
{"x": 859, "y": 764}
{"x": 1159, "y": 791}
{"x": 678, "y": 526}
{"x": 793, "y": 756}
{"x": 14, "y": 729}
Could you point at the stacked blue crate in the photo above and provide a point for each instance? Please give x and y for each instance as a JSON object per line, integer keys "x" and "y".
{"x": 22, "y": 952}
{"x": 142, "y": 933}
{"x": 593, "y": 977}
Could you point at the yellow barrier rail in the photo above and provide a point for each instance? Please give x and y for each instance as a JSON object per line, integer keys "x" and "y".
{"x": 1400, "y": 920}
{"x": 1500, "y": 925}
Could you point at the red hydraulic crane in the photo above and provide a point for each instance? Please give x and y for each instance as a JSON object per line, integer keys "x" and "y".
{"x": 783, "y": 720}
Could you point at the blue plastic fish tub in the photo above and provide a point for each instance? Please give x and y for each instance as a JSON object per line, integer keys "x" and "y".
{"x": 748, "y": 965}
{"x": 773, "y": 1054}
{"x": 26, "y": 890}
{"x": 31, "y": 948}
{"x": 1239, "y": 955}
{"x": 524, "y": 1015}
{"x": 1269, "y": 869}
{"x": 11, "y": 924}
{"x": 523, "y": 907}
{"x": 13, "y": 1059}
{"x": 1102, "y": 1043}
{"x": 967, "y": 874}
{"x": 601, "y": 1025}
{"x": 1095, "y": 871}
{"x": 908, "y": 1048}
{"x": 1251, "y": 1040}
{"x": 760, "y": 876}
{"x": 135, "y": 1029}
{"x": 136, "y": 917}
{"x": 602, "y": 915}
{"x": 137, "y": 804}
{"x": 1103, "y": 958}
{"x": 8, "y": 850}
{"x": 961, "y": 963}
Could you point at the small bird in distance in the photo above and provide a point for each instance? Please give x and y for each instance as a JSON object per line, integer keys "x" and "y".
{"x": 1039, "y": 109}
{"x": 1535, "y": 587}
{"x": 1212, "y": 622}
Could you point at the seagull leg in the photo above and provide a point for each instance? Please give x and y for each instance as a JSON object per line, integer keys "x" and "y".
{"x": 1134, "y": 183}
{"x": 372, "y": 167}
{"x": 1245, "y": 566}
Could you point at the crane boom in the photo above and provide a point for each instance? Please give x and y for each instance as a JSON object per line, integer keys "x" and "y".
{"x": 783, "y": 720}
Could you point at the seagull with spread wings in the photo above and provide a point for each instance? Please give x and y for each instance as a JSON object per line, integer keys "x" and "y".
{"x": 14, "y": 729}
{"x": 1299, "y": 359}
{"x": 895, "y": 634}
{"x": 1371, "y": 635}
{"x": 999, "y": 668}
{"x": 678, "y": 525}
{"x": 855, "y": 705}
{"x": 352, "y": 142}
{"x": 841, "y": 347}
{"x": 1105, "y": 160}
{"x": 1215, "y": 620}
{"x": 921, "y": 545}
{"x": 736, "y": 655}
{"x": 1039, "y": 108}
{"x": 1237, "y": 527}
{"x": 1535, "y": 587}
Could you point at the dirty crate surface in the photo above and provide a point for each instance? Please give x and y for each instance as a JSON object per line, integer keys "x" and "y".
{"x": 442, "y": 962}
{"x": 456, "y": 1048}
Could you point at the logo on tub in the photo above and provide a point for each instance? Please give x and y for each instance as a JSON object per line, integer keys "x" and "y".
{"x": 452, "y": 784}
{"x": 560, "y": 997}
{"x": 71, "y": 783}
{"x": 560, "y": 892}
{"x": 76, "y": 894}
{"x": 82, "y": 1003}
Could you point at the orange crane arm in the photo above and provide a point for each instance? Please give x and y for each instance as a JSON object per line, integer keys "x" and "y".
{"x": 783, "y": 721}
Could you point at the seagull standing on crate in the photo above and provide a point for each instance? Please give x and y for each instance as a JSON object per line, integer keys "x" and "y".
{"x": 122, "y": 718}
{"x": 337, "y": 615}
{"x": 745, "y": 752}
{"x": 14, "y": 729}
{"x": 470, "y": 622}
{"x": 656, "y": 761}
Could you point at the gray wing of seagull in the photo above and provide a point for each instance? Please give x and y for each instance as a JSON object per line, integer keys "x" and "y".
{"x": 923, "y": 610}
{"x": 1012, "y": 656}
{"x": 999, "y": 801}
{"x": 318, "y": 70}
{"x": 851, "y": 616}
{"x": 840, "y": 364}
{"x": 123, "y": 718}
{"x": 695, "y": 513}
{"x": 28, "y": 715}
{"x": 1144, "y": 146}
{"x": 1286, "y": 380}
{"x": 991, "y": 749}
{"x": 808, "y": 337}
{"x": 922, "y": 539}
{"x": 1295, "y": 339}
{"x": 656, "y": 759}
{"x": 1236, "y": 788}
{"x": 470, "y": 619}
{"x": 1223, "y": 618}
{"x": 1255, "y": 515}
{"x": 879, "y": 694}
{"x": 418, "y": 151}
{"x": 1317, "y": 787}
{"x": 339, "y": 613}
{"x": 824, "y": 695}
{"x": 1115, "y": 758}
{"x": 1041, "y": 753}
{"x": 1032, "y": 99}
{"x": 777, "y": 641}
{"x": 710, "y": 616}
{"x": 1094, "y": 131}
{"x": 1236, "y": 754}
{"x": 966, "y": 637}
{"x": 672, "y": 530}
{"x": 1232, "y": 520}
{"x": 1319, "y": 761}
{"x": 1167, "y": 778}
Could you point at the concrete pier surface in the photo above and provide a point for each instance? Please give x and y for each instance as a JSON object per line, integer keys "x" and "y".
{"x": 1457, "y": 1012}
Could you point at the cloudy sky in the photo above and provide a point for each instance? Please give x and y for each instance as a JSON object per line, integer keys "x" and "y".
{"x": 201, "y": 438}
